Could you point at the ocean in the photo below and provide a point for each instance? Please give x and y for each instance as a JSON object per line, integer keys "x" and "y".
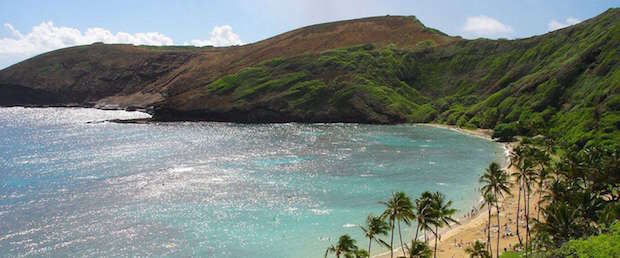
{"x": 72, "y": 184}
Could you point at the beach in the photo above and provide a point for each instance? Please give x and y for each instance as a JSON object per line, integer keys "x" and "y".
{"x": 472, "y": 227}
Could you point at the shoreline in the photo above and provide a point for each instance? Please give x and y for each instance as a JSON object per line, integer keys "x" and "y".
{"x": 480, "y": 133}
{"x": 468, "y": 224}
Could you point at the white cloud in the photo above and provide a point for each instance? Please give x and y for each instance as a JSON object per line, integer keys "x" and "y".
{"x": 485, "y": 26}
{"x": 47, "y": 37}
{"x": 556, "y": 25}
{"x": 220, "y": 36}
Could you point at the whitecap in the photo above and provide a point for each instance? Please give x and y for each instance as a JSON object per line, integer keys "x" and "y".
{"x": 181, "y": 169}
{"x": 319, "y": 211}
{"x": 86, "y": 178}
{"x": 349, "y": 225}
{"x": 291, "y": 209}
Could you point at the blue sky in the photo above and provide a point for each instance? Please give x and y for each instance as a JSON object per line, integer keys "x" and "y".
{"x": 32, "y": 27}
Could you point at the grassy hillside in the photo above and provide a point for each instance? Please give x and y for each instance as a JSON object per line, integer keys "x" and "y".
{"x": 562, "y": 83}
{"x": 389, "y": 69}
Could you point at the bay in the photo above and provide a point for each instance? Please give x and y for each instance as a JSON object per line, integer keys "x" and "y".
{"x": 73, "y": 185}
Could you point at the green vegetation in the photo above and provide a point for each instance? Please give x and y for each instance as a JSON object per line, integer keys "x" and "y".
{"x": 419, "y": 250}
{"x": 345, "y": 246}
{"x": 563, "y": 84}
{"x": 511, "y": 254}
{"x": 603, "y": 245}
{"x": 578, "y": 193}
{"x": 606, "y": 244}
{"x": 478, "y": 250}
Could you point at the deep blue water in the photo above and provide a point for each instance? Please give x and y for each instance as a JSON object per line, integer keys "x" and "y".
{"x": 72, "y": 188}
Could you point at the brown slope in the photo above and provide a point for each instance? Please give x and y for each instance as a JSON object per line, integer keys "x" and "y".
{"x": 139, "y": 75}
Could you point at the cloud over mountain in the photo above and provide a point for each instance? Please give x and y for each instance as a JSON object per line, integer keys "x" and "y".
{"x": 485, "y": 26}
{"x": 556, "y": 25}
{"x": 220, "y": 36}
{"x": 47, "y": 37}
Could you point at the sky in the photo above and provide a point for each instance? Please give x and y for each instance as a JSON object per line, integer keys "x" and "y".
{"x": 34, "y": 27}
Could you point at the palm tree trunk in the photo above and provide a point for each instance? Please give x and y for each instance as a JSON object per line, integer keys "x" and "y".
{"x": 519, "y": 212}
{"x": 489, "y": 230}
{"x": 401, "y": 238}
{"x": 498, "y": 227}
{"x": 369, "y": 242}
{"x": 436, "y": 234}
{"x": 392, "y": 242}
{"x": 416, "y": 232}
{"x": 527, "y": 218}
{"x": 539, "y": 199}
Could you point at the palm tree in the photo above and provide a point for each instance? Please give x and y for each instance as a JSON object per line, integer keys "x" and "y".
{"x": 516, "y": 160}
{"x": 516, "y": 156}
{"x": 561, "y": 222}
{"x": 477, "y": 250}
{"x": 519, "y": 156}
{"x": 489, "y": 201}
{"x": 397, "y": 209}
{"x": 346, "y": 245}
{"x": 424, "y": 214}
{"x": 375, "y": 226}
{"x": 530, "y": 173}
{"x": 524, "y": 175}
{"x": 495, "y": 181}
{"x": 542, "y": 176}
{"x": 443, "y": 213}
{"x": 419, "y": 249}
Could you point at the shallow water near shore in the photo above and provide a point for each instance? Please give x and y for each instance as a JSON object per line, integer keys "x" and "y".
{"x": 72, "y": 188}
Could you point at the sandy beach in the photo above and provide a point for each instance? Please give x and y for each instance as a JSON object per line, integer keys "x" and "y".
{"x": 454, "y": 240}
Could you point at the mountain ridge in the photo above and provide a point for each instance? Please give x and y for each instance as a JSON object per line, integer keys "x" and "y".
{"x": 178, "y": 68}
{"x": 389, "y": 69}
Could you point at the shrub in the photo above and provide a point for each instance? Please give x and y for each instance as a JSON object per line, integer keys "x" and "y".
{"x": 505, "y": 132}
{"x": 604, "y": 245}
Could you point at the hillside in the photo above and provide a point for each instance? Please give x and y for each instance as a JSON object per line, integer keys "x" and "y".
{"x": 565, "y": 82}
{"x": 374, "y": 70}
{"x": 127, "y": 75}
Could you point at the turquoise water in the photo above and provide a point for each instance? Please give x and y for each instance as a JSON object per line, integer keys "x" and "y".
{"x": 72, "y": 188}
